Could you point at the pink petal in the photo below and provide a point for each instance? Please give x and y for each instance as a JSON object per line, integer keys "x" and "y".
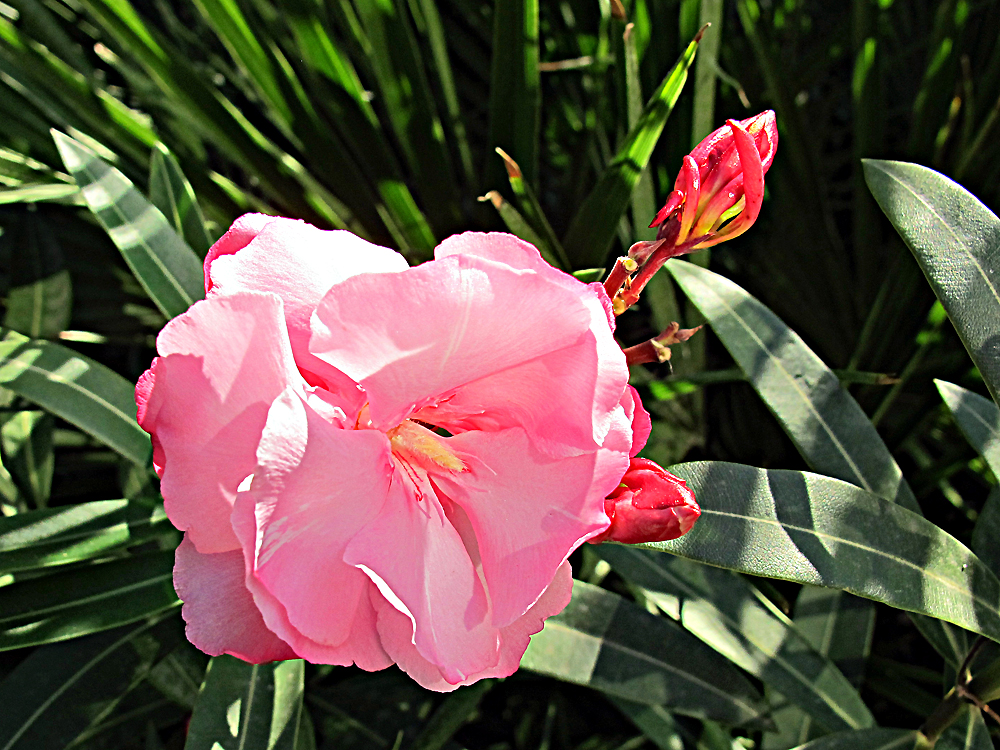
{"x": 238, "y": 236}
{"x": 530, "y": 511}
{"x": 395, "y": 629}
{"x": 417, "y": 559}
{"x": 299, "y": 263}
{"x": 315, "y": 486}
{"x": 221, "y": 365}
{"x": 642, "y": 425}
{"x": 219, "y": 611}
{"x": 411, "y": 339}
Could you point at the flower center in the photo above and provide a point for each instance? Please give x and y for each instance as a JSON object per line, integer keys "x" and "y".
{"x": 418, "y": 446}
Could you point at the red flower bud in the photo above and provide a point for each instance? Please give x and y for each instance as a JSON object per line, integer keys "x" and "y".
{"x": 721, "y": 179}
{"x": 650, "y": 505}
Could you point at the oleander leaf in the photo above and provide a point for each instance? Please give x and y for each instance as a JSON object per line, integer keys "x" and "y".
{"x": 76, "y": 388}
{"x": 806, "y": 528}
{"x": 161, "y": 260}
{"x": 247, "y": 706}
{"x": 71, "y": 533}
{"x": 85, "y": 600}
{"x": 723, "y": 610}
{"x": 607, "y": 643}
{"x": 956, "y": 241}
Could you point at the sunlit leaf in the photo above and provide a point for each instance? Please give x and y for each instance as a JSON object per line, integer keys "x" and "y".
{"x": 610, "y": 644}
{"x": 170, "y": 192}
{"x": 806, "y": 528}
{"x": 831, "y": 431}
{"x": 163, "y": 263}
{"x": 85, "y": 600}
{"x": 954, "y": 239}
{"x": 865, "y": 739}
{"x": 722, "y": 610}
{"x": 77, "y": 389}
{"x": 58, "y": 536}
{"x": 247, "y": 706}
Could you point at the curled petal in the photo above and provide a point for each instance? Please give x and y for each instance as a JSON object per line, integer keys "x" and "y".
{"x": 528, "y": 511}
{"x": 674, "y": 201}
{"x": 690, "y": 183}
{"x": 753, "y": 187}
{"x": 395, "y": 629}
{"x": 312, "y": 482}
{"x": 441, "y": 325}
{"x": 220, "y": 613}
{"x": 205, "y": 402}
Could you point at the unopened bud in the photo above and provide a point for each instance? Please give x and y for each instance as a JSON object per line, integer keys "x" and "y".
{"x": 650, "y": 505}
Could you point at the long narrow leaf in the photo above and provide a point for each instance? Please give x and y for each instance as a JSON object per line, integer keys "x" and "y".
{"x": 806, "y": 528}
{"x": 831, "y": 431}
{"x": 865, "y": 739}
{"x": 596, "y": 221}
{"x": 515, "y": 84}
{"x": 607, "y": 643}
{"x": 247, "y": 706}
{"x": 81, "y": 391}
{"x": 60, "y": 690}
{"x": 58, "y": 536}
{"x": 722, "y": 610}
{"x": 85, "y": 600}
{"x": 167, "y": 268}
{"x": 170, "y": 192}
{"x": 954, "y": 239}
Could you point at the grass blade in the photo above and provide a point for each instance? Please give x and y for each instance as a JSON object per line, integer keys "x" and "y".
{"x": 596, "y": 221}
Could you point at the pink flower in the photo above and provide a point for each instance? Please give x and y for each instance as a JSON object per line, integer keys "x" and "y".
{"x": 374, "y": 463}
{"x": 650, "y": 505}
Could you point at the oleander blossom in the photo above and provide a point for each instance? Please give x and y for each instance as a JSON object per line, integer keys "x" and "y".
{"x": 379, "y": 464}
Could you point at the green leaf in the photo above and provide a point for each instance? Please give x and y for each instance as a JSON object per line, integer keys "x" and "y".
{"x": 40, "y": 299}
{"x": 967, "y": 733}
{"x": 170, "y": 192}
{"x": 515, "y": 84}
{"x": 830, "y": 430}
{"x": 58, "y": 536}
{"x": 596, "y": 221}
{"x": 802, "y": 527}
{"x": 38, "y": 192}
{"x": 607, "y": 643}
{"x": 85, "y": 600}
{"x": 451, "y": 716}
{"x": 247, "y": 706}
{"x": 954, "y": 239}
{"x": 656, "y": 723}
{"x": 59, "y": 691}
{"x": 81, "y": 391}
{"x": 26, "y": 446}
{"x": 167, "y": 268}
{"x": 724, "y": 611}
{"x": 978, "y": 418}
{"x": 865, "y": 739}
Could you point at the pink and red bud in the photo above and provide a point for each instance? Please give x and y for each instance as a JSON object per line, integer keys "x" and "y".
{"x": 721, "y": 179}
{"x": 650, "y": 505}
{"x": 717, "y": 196}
